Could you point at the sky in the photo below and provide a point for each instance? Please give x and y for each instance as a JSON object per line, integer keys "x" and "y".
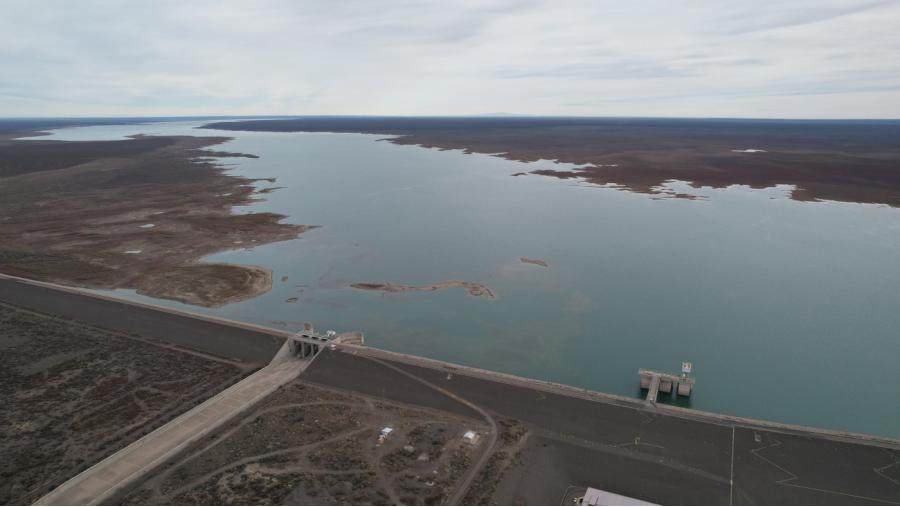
{"x": 722, "y": 58}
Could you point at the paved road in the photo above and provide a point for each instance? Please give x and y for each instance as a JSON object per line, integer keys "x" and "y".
{"x": 621, "y": 446}
{"x": 116, "y": 472}
{"x": 237, "y": 342}
{"x": 639, "y": 451}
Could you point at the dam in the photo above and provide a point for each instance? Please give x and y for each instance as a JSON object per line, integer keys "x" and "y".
{"x": 410, "y": 229}
{"x": 694, "y": 457}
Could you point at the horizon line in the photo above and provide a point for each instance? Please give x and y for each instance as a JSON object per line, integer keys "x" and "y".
{"x": 510, "y": 116}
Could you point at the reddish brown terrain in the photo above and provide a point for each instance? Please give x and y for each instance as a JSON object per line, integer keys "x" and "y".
{"x": 826, "y": 160}
{"x": 136, "y": 214}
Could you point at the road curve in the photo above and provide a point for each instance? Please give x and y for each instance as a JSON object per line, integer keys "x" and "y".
{"x": 466, "y": 482}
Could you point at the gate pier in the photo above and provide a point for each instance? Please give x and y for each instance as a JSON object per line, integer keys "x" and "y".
{"x": 655, "y": 382}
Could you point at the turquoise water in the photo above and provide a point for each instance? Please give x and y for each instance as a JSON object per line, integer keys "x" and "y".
{"x": 788, "y": 310}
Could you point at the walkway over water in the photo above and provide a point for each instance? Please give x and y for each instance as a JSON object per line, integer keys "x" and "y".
{"x": 655, "y": 381}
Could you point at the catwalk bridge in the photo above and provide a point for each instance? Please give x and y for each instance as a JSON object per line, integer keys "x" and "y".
{"x": 655, "y": 382}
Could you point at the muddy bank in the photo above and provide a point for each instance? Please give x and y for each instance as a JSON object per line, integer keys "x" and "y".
{"x": 207, "y": 284}
{"x": 536, "y": 262}
{"x": 475, "y": 289}
{"x": 135, "y": 214}
{"x": 855, "y": 161}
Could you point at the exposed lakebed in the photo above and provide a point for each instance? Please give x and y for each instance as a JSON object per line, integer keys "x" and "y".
{"x": 768, "y": 296}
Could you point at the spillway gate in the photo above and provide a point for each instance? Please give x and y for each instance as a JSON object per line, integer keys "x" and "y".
{"x": 655, "y": 382}
{"x": 308, "y": 343}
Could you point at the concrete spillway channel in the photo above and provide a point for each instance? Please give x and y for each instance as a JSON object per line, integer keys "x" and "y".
{"x": 118, "y": 471}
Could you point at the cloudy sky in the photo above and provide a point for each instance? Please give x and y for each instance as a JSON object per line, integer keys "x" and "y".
{"x": 760, "y": 58}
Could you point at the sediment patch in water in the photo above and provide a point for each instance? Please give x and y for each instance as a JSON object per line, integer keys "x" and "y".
{"x": 475, "y": 289}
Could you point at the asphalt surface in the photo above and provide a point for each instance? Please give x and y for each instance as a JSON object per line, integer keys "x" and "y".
{"x": 243, "y": 345}
{"x": 625, "y": 448}
{"x": 639, "y": 452}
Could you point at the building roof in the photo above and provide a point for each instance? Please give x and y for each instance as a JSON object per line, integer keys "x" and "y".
{"x": 599, "y": 497}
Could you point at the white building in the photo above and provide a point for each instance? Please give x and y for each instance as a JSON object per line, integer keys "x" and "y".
{"x": 599, "y": 497}
{"x": 385, "y": 432}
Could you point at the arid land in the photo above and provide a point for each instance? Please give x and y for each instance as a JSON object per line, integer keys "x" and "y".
{"x": 74, "y": 394}
{"x": 307, "y": 445}
{"x": 135, "y": 213}
{"x": 840, "y": 161}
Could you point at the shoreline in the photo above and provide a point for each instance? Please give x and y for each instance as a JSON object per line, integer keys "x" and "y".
{"x": 137, "y": 214}
{"x": 601, "y": 397}
{"x": 825, "y": 162}
{"x": 547, "y": 386}
{"x": 175, "y": 283}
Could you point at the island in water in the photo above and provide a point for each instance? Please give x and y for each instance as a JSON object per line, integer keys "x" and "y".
{"x": 475, "y": 289}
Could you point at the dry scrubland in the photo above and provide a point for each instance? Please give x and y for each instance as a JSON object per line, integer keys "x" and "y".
{"x": 309, "y": 445}
{"x": 74, "y": 394}
{"x": 136, "y": 213}
{"x": 840, "y": 161}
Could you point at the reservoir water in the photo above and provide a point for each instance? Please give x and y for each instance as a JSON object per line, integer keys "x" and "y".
{"x": 789, "y": 311}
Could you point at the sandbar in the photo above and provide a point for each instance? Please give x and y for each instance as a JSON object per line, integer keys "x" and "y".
{"x": 537, "y": 262}
{"x": 475, "y": 289}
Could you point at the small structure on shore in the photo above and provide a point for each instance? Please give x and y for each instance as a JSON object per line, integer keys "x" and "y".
{"x": 679, "y": 385}
{"x": 470, "y": 437}
{"x": 308, "y": 343}
{"x": 385, "y": 432}
{"x": 595, "y": 496}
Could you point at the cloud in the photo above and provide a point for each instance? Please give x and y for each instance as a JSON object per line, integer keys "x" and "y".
{"x": 820, "y": 58}
{"x": 621, "y": 69}
{"x": 757, "y": 18}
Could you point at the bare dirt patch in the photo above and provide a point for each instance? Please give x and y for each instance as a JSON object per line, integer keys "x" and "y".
{"x": 207, "y": 284}
{"x": 513, "y": 437}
